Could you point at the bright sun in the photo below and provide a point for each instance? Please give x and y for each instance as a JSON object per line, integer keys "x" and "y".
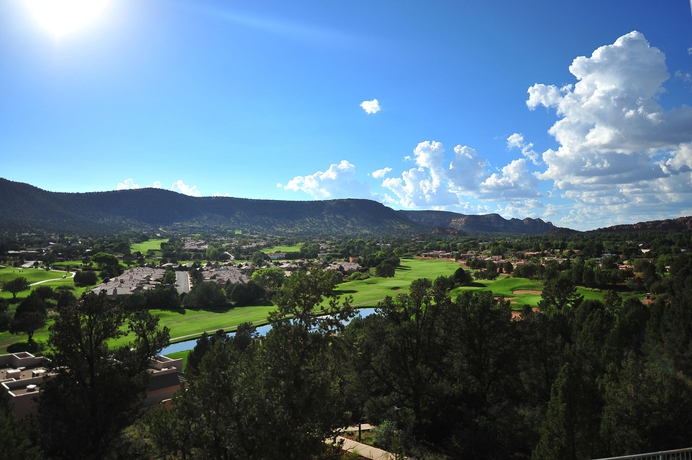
{"x": 61, "y": 17}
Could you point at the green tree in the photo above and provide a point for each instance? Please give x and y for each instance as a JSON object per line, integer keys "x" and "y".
{"x": 559, "y": 295}
{"x": 108, "y": 263}
{"x": 646, "y": 409}
{"x": 207, "y": 294}
{"x": 250, "y": 293}
{"x": 461, "y": 277}
{"x": 5, "y": 317}
{"x": 15, "y": 443}
{"x": 169, "y": 278}
{"x": 400, "y": 346}
{"x": 385, "y": 270}
{"x": 30, "y": 316}
{"x": 49, "y": 259}
{"x": 565, "y": 431}
{"x": 16, "y": 286}
{"x": 85, "y": 278}
{"x": 270, "y": 277}
{"x": 483, "y": 340}
{"x": 278, "y": 399}
{"x": 98, "y": 388}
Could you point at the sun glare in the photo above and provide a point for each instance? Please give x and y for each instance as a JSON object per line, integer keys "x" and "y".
{"x": 61, "y": 17}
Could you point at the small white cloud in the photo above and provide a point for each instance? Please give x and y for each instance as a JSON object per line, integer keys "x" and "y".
{"x": 222, "y": 194}
{"x": 181, "y": 187}
{"x": 380, "y": 173}
{"x": 370, "y": 106}
{"x": 689, "y": 51}
{"x": 129, "y": 184}
{"x": 516, "y": 140}
{"x": 336, "y": 182}
{"x": 687, "y": 77}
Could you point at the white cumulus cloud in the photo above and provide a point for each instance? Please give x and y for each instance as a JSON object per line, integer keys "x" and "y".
{"x": 515, "y": 181}
{"x": 516, "y": 141}
{"x": 129, "y": 184}
{"x": 370, "y": 106}
{"x": 336, "y": 182}
{"x": 617, "y": 145}
{"x": 467, "y": 169}
{"x": 432, "y": 183}
{"x": 181, "y": 187}
{"x": 380, "y": 173}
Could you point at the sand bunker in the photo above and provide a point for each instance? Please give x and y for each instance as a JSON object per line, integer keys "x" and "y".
{"x": 527, "y": 291}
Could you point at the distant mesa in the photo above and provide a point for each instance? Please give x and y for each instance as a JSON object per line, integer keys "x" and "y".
{"x": 445, "y": 221}
{"x": 26, "y": 208}
{"x": 679, "y": 224}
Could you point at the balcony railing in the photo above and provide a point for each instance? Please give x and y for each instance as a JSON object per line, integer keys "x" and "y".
{"x": 679, "y": 454}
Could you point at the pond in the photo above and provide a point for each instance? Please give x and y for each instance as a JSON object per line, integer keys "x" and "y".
{"x": 261, "y": 330}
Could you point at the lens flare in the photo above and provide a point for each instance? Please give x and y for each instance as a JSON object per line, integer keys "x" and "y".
{"x": 61, "y": 17}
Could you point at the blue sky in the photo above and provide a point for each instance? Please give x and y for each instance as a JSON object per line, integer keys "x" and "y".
{"x": 576, "y": 112}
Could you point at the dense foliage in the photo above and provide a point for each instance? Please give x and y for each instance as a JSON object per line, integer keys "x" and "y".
{"x": 456, "y": 378}
{"x": 444, "y": 377}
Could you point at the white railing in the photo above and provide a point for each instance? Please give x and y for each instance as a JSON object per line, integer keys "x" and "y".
{"x": 679, "y": 454}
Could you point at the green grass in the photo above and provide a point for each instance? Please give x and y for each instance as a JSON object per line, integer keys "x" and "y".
{"x": 191, "y": 323}
{"x": 183, "y": 326}
{"x": 294, "y": 248}
{"x": 506, "y": 286}
{"x": 20, "y": 340}
{"x": 366, "y": 293}
{"x": 32, "y": 275}
{"x": 154, "y": 244}
{"x": 178, "y": 355}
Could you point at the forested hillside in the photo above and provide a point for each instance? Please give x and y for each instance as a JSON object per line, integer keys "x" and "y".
{"x": 27, "y": 208}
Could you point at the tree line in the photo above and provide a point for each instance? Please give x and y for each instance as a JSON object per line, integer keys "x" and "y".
{"x": 451, "y": 378}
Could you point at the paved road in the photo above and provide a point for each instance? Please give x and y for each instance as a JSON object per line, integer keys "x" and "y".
{"x": 182, "y": 282}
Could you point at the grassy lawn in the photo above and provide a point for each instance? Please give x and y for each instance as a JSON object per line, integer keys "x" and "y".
{"x": 507, "y": 287}
{"x": 366, "y": 293}
{"x": 154, "y": 244}
{"x": 295, "y": 248}
{"x": 32, "y": 275}
{"x": 51, "y": 278}
{"x": 40, "y": 336}
{"x": 186, "y": 325}
{"x": 193, "y": 322}
{"x": 178, "y": 355}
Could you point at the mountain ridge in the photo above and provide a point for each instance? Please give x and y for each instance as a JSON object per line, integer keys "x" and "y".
{"x": 26, "y": 208}
{"x": 484, "y": 223}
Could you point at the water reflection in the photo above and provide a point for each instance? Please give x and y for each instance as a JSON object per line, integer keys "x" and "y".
{"x": 261, "y": 330}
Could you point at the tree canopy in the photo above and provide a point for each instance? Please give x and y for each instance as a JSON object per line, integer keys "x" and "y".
{"x": 99, "y": 387}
